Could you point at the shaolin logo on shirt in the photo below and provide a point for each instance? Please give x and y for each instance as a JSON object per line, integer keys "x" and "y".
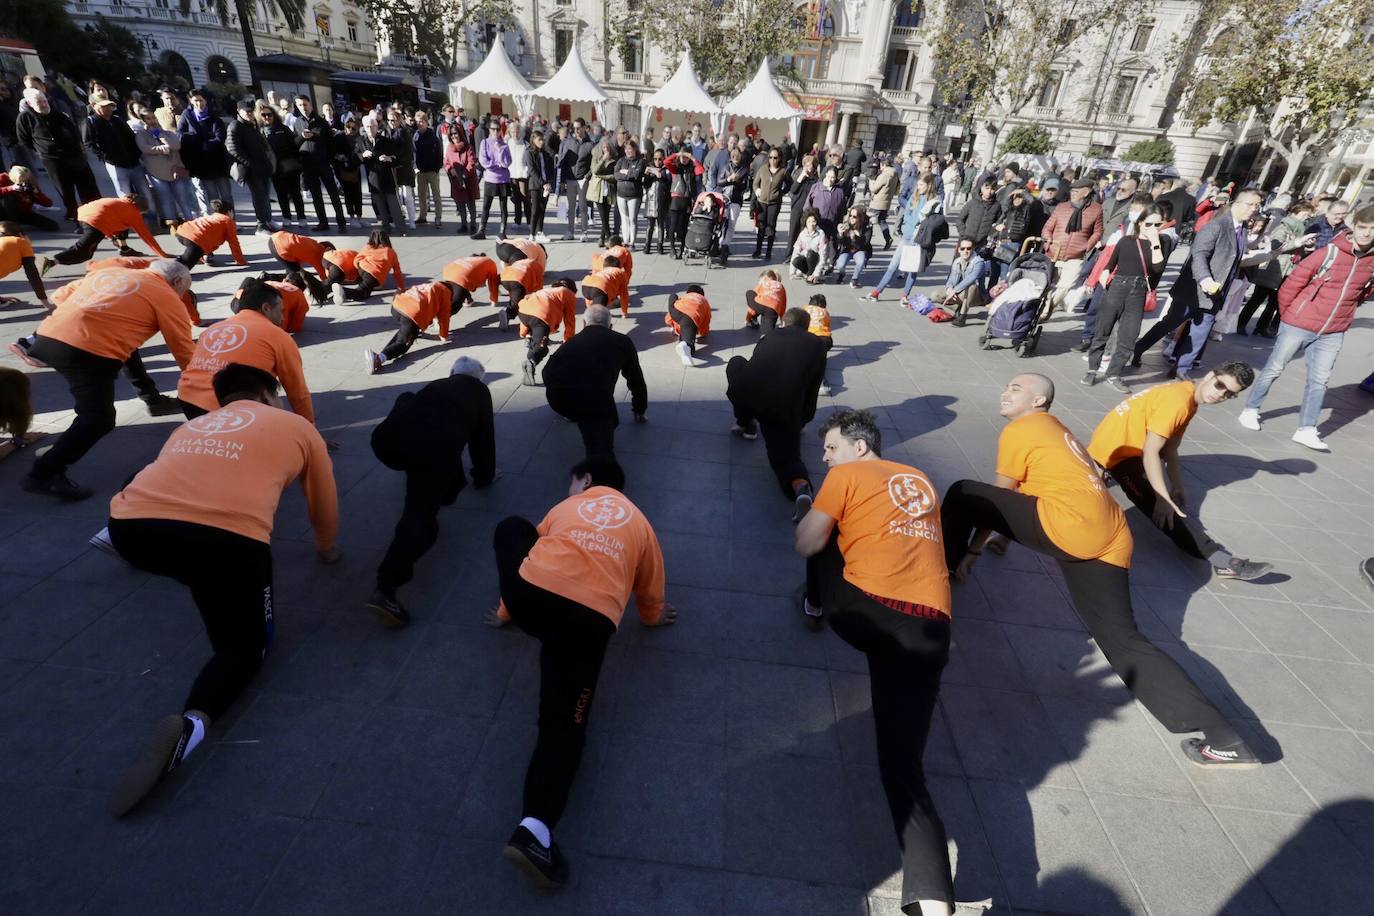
{"x": 106, "y": 287}
{"x": 223, "y": 338}
{"x": 1079, "y": 452}
{"x": 603, "y": 513}
{"x": 206, "y": 433}
{"x": 916, "y": 499}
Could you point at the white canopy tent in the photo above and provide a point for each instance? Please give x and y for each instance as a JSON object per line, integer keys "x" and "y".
{"x": 761, "y": 101}
{"x": 496, "y": 77}
{"x": 682, "y": 93}
{"x": 572, "y": 83}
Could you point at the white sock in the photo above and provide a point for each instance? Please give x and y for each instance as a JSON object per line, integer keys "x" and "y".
{"x": 540, "y": 830}
{"x": 197, "y": 735}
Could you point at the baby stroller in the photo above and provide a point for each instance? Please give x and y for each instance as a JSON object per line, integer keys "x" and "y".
{"x": 706, "y": 231}
{"x": 1016, "y": 312}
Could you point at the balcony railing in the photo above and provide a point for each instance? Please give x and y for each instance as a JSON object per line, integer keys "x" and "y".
{"x": 901, "y": 96}
{"x": 837, "y": 88}
{"x": 637, "y": 79}
{"x": 170, "y": 15}
{"x": 1119, "y": 118}
{"x": 1047, "y": 112}
{"x": 906, "y": 34}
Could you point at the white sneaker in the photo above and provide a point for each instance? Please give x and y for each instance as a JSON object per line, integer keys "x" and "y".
{"x": 684, "y": 352}
{"x": 374, "y": 362}
{"x": 338, "y": 291}
{"x": 824, "y": 390}
{"x": 1249, "y": 418}
{"x": 1307, "y": 435}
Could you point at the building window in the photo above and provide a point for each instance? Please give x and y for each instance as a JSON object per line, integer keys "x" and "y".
{"x": 634, "y": 54}
{"x": 911, "y": 14}
{"x": 811, "y": 59}
{"x": 1049, "y": 93}
{"x": 562, "y": 44}
{"x": 1140, "y": 39}
{"x": 1122, "y": 94}
{"x": 178, "y": 66}
{"x": 563, "y": 2}
{"x": 901, "y": 69}
{"x": 221, "y": 69}
{"x": 162, "y": 4}
{"x": 488, "y": 35}
{"x": 1067, "y": 30}
{"x": 889, "y": 138}
{"x": 352, "y": 26}
{"x": 322, "y": 24}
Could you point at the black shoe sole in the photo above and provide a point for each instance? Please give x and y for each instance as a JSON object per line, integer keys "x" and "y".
{"x": 146, "y": 772}
{"x": 517, "y": 858}
{"x": 389, "y": 618}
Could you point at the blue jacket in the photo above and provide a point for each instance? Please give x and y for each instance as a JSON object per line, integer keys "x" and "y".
{"x": 913, "y": 215}
{"x": 963, "y": 275}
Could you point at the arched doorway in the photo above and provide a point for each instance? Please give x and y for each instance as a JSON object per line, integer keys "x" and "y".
{"x": 221, "y": 69}
{"x": 177, "y": 66}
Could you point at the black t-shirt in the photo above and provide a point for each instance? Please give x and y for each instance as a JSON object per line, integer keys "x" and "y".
{"x": 1126, "y": 258}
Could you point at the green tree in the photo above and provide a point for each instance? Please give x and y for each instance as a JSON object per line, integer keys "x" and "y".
{"x": 433, "y": 29}
{"x": 1303, "y": 67}
{"x": 292, "y": 11}
{"x": 999, "y": 54}
{"x": 1158, "y": 151}
{"x": 727, "y": 38}
{"x": 1031, "y": 139}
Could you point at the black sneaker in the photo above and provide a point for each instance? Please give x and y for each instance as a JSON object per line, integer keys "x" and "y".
{"x": 58, "y": 487}
{"x": 1236, "y": 757}
{"x": 127, "y": 252}
{"x": 745, "y": 432}
{"x": 959, "y": 321}
{"x": 1089, "y": 378}
{"x": 161, "y": 755}
{"x": 389, "y": 610}
{"x": 321, "y": 226}
{"x": 545, "y": 867}
{"x": 527, "y": 373}
{"x": 1244, "y": 570}
{"x": 802, "y": 503}
{"x": 813, "y": 621}
{"x": 163, "y": 406}
{"x": 1367, "y": 572}
{"x": 1082, "y": 346}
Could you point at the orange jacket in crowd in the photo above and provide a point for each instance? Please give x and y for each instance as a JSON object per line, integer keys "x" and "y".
{"x": 228, "y": 469}
{"x": 470, "y": 273}
{"x": 188, "y": 300}
{"x": 379, "y": 262}
{"x": 424, "y": 303}
{"x": 115, "y": 311}
{"x": 346, "y": 259}
{"x": 770, "y": 293}
{"x": 250, "y": 338}
{"x": 551, "y": 306}
{"x": 596, "y": 548}
{"x": 299, "y": 249}
{"x": 528, "y": 273}
{"x": 13, "y": 250}
{"x": 820, "y": 320}
{"x": 695, "y": 307}
{"x": 532, "y": 251}
{"x": 112, "y": 215}
{"x": 615, "y": 283}
{"x": 621, "y": 254}
{"x": 210, "y": 232}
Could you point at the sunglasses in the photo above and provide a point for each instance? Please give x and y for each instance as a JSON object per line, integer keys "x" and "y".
{"x": 1225, "y": 390}
{"x": 1154, "y": 222}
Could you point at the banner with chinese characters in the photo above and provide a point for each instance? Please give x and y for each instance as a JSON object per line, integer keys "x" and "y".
{"x": 813, "y": 107}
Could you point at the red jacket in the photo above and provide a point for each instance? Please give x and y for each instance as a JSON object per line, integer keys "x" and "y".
{"x": 26, "y": 199}
{"x": 1067, "y": 246}
{"x": 1326, "y": 304}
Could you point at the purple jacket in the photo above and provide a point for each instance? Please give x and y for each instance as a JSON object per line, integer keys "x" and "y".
{"x": 494, "y": 157}
{"x": 827, "y": 202}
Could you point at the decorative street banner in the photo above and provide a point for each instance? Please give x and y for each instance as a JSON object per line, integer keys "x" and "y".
{"x": 813, "y": 107}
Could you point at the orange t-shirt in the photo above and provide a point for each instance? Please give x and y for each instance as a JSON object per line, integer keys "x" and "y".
{"x": 889, "y": 520}
{"x": 13, "y": 250}
{"x": 471, "y": 272}
{"x": 820, "y": 320}
{"x": 294, "y": 305}
{"x": 379, "y": 262}
{"x": 111, "y": 215}
{"x": 210, "y": 232}
{"x": 424, "y": 303}
{"x": 300, "y": 249}
{"x": 228, "y": 469}
{"x": 614, "y": 282}
{"x": 528, "y": 273}
{"x": 695, "y": 307}
{"x": 346, "y": 260}
{"x": 532, "y": 251}
{"x": 1077, "y": 512}
{"x": 1164, "y": 409}
{"x": 188, "y": 300}
{"x": 113, "y": 312}
{"x": 620, "y": 253}
{"x": 596, "y": 548}
{"x": 247, "y": 337}
{"x": 771, "y": 293}
{"x": 551, "y": 305}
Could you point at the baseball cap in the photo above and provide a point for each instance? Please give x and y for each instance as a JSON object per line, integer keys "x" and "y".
{"x": 1051, "y": 184}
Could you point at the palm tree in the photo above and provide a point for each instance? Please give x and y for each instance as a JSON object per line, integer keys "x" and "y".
{"x": 293, "y": 11}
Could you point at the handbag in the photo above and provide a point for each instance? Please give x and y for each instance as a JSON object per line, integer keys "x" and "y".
{"x": 1151, "y": 299}
{"x": 1006, "y": 251}
{"x": 910, "y": 260}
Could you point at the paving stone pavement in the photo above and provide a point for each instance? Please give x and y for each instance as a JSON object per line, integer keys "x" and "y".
{"x": 731, "y": 766}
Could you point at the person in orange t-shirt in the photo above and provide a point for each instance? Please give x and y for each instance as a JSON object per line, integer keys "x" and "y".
{"x": 540, "y": 314}
{"x": 1050, "y": 497}
{"x": 202, "y": 513}
{"x": 472, "y": 272}
{"x": 1137, "y": 444}
{"x": 16, "y": 251}
{"x": 767, "y": 302}
{"x": 615, "y": 249}
{"x": 520, "y": 278}
{"x": 204, "y": 234}
{"x": 107, "y": 218}
{"x": 88, "y": 339}
{"x": 607, "y": 285}
{"x": 299, "y": 251}
{"x": 566, "y": 582}
{"x": 875, "y": 569}
{"x": 370, "y": 265}
{"x": 819, "y": 311}
{"x": 415, "y": 310}
{"x": 138, "y": 263}
{"x": 255, "y": 337}
{"x": 689, "y": 315}
{"x": 508, "y": 251}
{"x": 294, "y": 306}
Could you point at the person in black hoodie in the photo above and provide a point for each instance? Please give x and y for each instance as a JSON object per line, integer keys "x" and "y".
{"x": 204, "y": 150}
{"x": 629, "y": 176}
{"x": 581, "y": 375}
{"x": 806, "y": 175}
{"x": 110, "y": 139}
{"x": 252, "y": 163}
{"x": 658, "y": 184}
{"x": 539, "y": 183}
{"x": 429, "y": 160}
{"x": 776, "y": 389}
{"x": 53, "y": 136}
{"x": 316, "y": 144}
{"x": 424, "y": 435}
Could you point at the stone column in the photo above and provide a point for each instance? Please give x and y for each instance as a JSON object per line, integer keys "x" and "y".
{"x": 846, "y": 122}
{"x": 877, "y": 32}
{"x": 830, "y": 129}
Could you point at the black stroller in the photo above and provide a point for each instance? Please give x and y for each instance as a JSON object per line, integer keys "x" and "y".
{"x": 1018, "y": 308}
{"x": 706, "y": 231}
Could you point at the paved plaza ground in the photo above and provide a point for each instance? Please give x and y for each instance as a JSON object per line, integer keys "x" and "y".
{"x": 731, "y": 765}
